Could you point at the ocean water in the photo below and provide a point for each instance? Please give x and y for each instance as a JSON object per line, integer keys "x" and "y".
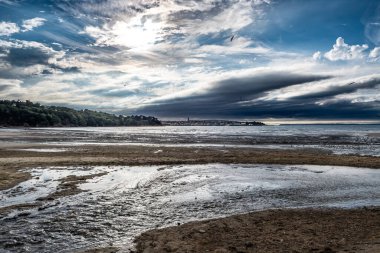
{"x": 277, "y": 130}
{"x": 340, "y": 139}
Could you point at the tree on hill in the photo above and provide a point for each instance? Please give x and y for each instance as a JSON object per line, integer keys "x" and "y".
{"x": 19, "y": 113}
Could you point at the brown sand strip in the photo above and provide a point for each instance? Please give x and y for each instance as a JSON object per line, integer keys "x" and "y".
{"x": 69, "y": 186}
{"x": 303, "y": 230}
{"x": 12, "y": 160}
{"x": 10, "y": 177}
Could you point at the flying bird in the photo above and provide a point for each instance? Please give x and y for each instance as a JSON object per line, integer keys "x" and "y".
{"x": 232, "y": 38}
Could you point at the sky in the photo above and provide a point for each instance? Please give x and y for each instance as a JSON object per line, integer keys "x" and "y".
{"x": 219, "y": 59}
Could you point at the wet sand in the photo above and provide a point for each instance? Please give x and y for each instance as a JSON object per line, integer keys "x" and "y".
{"x": 14, "y": 159}
{"x": 311, "y": 230}
{"x": 305, "y": 230}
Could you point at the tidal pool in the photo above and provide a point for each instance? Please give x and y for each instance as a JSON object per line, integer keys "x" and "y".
{"x": 126, "y": 201}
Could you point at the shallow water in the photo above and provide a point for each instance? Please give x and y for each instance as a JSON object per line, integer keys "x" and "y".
{"x": 339, "y": 139}
{"x": 128, "y": 200}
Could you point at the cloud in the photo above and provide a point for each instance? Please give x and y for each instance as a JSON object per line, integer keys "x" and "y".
{"x": 228, "y": 95}
{"x": 343, "y": 51}
{"x": 317, "y": 56}
{"x": 337, "y": 109}
{"x": 30, "y": 24}
{"x": 374, "y": 55}
{"x": 25, "y": 58}
{"x": 115, "y": 93}
{"x": 105, "y": 9}
{"x": 252, "y": 86}
{"x": 307, "y": 107}
{"x": 372, "y": 30}
{"x": 7, "y": 84}
{"x": 322, "y": 96}
{"x": 239, "y": 45}
{"x": 346, "y": 88}
{"x": 134, "y": 34}
{"x": 8, "y": 28}
{"x": 144, "y": 24}
{"x": 371, "y": 20}
{"x": 9, "y": 2}
{"x": 234, "y": 17}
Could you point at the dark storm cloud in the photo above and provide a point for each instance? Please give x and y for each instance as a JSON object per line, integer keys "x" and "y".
{"x": 339, "y": 109}
{"x": 269, "y": 109}
{"x": 253, "y": 86}
{"x": 337, "y": 90}
{"x": 235, "y": 98}
{"x": 234, "y": 90}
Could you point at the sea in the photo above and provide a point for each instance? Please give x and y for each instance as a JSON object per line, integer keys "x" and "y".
{"x": 338, "y": 139}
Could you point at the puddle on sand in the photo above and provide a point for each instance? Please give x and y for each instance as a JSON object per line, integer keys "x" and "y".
{"x": 129, "y": 200}
{"x": 43, "y": 182}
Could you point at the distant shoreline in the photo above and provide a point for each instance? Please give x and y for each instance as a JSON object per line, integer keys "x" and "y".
{"x": 164, "y": 124}
{"x": 211, "y": 123}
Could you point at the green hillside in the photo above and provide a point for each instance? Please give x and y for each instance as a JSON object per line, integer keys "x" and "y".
{"x": 19, "y": 113}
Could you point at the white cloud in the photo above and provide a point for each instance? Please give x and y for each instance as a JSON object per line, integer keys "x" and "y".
{"x": 30, "y": 24}
{"x": 26, "y": 44}
{"x": 239, "y": 45}
{"x": 234, "y": 18}
{"x": 317, "y": 56}
{"x": 9, "y": 2}
{"x": 374, "y": 55}
{"x": 8, "y": 28}
{"x": 343, "y": 51}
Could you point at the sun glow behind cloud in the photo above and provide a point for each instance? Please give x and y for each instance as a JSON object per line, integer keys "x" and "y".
{"x": 135, "y": 34}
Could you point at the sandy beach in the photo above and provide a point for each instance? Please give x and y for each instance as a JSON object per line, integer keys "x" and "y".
{"x": 279, "y": 230}
{"x": 303, "y": 230}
